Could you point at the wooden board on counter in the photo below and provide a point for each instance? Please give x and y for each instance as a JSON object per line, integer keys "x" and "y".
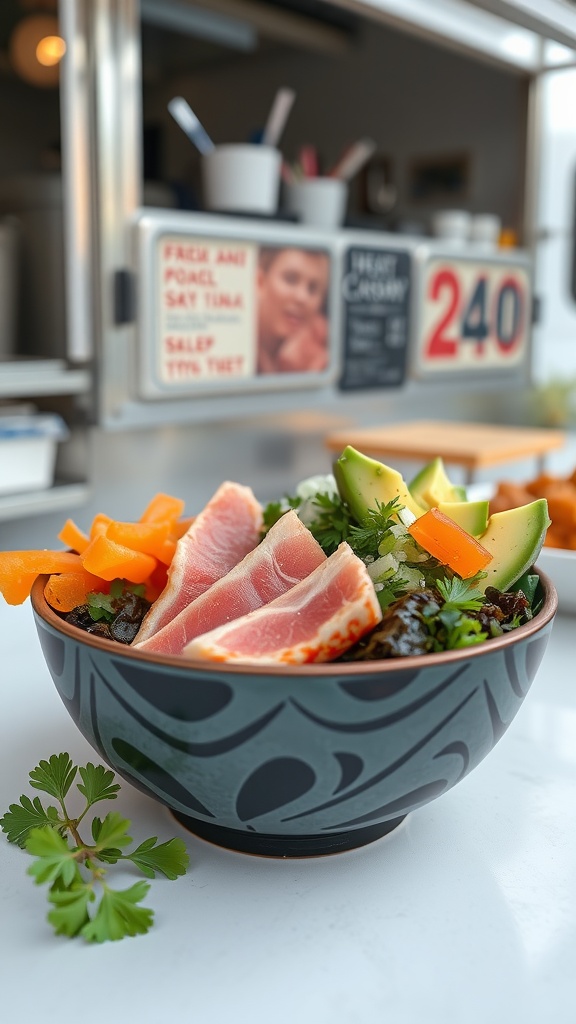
{"x": 472, "y": 445}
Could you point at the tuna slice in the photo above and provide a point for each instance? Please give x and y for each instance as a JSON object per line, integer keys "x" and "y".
{"x": 226, "y": 530}
{"x": 317, "y": 620}
{"x": 287, "y": 555}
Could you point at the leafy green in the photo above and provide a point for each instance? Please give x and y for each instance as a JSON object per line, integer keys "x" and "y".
{"x": 72, "y": 868}
{"x": 528, "y": 584}
{"x": 376, "y": 531}
{"x": 274, "y": 510}
{"x": 170, "y": 858}
{"x": 96, "y": 784}
{"x": 105, "y": 606}
{"x": 118, "y": 915}
{"x": 54, "y": 776}
{"x": 29, "y": 814}
{"x": 449, "y": 626}
{"x": 461, "y": 594}
{"x": 333, "y": 522}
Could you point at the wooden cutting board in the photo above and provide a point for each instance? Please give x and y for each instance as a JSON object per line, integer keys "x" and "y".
{"x": 472, "y": 445}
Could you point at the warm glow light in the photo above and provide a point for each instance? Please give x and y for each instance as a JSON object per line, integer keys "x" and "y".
{"x": 50, "y": 51}
{"x": 36, "y": 48}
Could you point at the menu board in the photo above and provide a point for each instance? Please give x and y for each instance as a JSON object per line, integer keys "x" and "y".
{"x": 475, "y": 315}
{"x": 375, "y": 289}
{"x": 235, "y": 314}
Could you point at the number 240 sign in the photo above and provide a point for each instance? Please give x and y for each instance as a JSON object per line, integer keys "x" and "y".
{"x": 475, "y": 315}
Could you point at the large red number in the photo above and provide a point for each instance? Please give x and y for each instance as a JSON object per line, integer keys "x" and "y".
{"x": 440, "y": 346}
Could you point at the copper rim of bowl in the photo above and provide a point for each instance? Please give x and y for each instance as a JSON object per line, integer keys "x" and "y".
{"x": 420, "y": 661}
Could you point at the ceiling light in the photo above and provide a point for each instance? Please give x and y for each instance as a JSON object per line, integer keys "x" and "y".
{"x": 36, "y": 49}
{"x": 50, "y": 51}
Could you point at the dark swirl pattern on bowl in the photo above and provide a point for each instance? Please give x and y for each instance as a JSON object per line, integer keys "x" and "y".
{"x": 292, "y": 761}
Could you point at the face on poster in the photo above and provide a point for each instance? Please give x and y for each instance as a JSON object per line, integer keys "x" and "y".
{"x": 237, "y": 310}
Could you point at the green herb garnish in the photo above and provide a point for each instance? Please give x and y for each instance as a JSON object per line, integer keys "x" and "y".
{"x": 274, "y": 510}
{"x": 105, "y": 606}
{"x": 371, "y": 538}
{"x": 449, "y": 626}
{"x": 73, "y": 868}
{"x": 333, "y": 523}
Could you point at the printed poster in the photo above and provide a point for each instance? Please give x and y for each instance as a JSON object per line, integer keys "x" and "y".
{"x": 235, "y": 311}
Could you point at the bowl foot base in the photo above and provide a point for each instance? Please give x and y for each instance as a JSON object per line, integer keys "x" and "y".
{"x": 286, "y": 846}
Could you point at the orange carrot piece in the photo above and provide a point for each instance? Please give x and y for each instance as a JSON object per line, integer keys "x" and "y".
{"x": 150, "y": 538}
{"x": 100, "y": 524}
{"x": 69, "y": 589}
{"x": 17, "y": 589}
{"x": 162, "y": 507}
{"x": 103, "y": 557}
{"x": 19, "y": 569}
{"x": 73, "y": 537}
{"x": 449, "y": 543}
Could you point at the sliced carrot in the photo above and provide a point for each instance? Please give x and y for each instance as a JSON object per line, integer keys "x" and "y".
{"x": 162, "y": 507}
{"x": 19, "y": 569}
{"x": 104, "y": 557}
{"x": 73, "y": 537}
{"x": 449, "y": 543}
{"x": 100, "y": 524}
{"x": 150, "y": 538}
{"x": 17, "y": 588}
{"x": 69, "y": 589}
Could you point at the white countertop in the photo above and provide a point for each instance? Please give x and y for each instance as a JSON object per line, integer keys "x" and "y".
{"x": 467, "y": 913}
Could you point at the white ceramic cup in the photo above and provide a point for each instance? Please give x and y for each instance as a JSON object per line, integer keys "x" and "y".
{"x": 320, "y": 202}
{"x": 485, "y": 231}
{"x": 241, "y": 177}
{"x": 452, "y": 226}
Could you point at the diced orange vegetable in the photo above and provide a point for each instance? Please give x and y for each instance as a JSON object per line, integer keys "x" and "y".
{"x": 73, "y": 537}
{"x": 69, "y": 589}
{"x": 449, "y": 543}
{"x": 100, "y": 524}
{"x": 19, "y": 569}
{"x": 161, "y": 508}
{"x": 104, "y": 557}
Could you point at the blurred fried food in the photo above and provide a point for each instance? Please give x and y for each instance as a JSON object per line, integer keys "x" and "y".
{"x": 560, "y": 493}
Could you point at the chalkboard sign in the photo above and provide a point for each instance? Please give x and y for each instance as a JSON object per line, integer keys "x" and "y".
{"x": 375, "y": 291}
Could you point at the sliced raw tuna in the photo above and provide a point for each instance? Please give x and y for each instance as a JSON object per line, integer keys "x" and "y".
{"x": 227, "y": 529}
{"x": 287, "y": 555}
{"x": 317, "y": 620}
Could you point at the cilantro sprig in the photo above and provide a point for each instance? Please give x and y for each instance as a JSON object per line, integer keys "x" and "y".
{"x": 82, "y": 902}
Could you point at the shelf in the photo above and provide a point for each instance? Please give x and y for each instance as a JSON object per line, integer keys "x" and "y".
{"x": 23, "y": 378}
{"x": 61, "y": 496}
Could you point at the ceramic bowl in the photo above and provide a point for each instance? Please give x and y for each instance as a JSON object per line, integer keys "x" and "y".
{"x": 292, "y": 761}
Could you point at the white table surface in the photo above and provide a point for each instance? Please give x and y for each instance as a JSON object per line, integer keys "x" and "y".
{"x": 467, "y": 913}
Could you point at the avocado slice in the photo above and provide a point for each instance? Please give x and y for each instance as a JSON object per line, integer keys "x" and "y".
{"x": 363, "y": 481}
{"x": 514, "y": 538}
{"x": 431, "y": 485}
{"x": 472, "y": 516}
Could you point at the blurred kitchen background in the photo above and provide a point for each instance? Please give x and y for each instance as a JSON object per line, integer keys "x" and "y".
{"x": 471, "y": 108}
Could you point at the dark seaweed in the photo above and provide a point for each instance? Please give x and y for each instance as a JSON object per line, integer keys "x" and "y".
{"x": 410, "y": 625}
{"x": 128, "y": 611}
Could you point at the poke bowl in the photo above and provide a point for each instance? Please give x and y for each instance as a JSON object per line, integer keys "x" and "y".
{"x": 292, "y": 760}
